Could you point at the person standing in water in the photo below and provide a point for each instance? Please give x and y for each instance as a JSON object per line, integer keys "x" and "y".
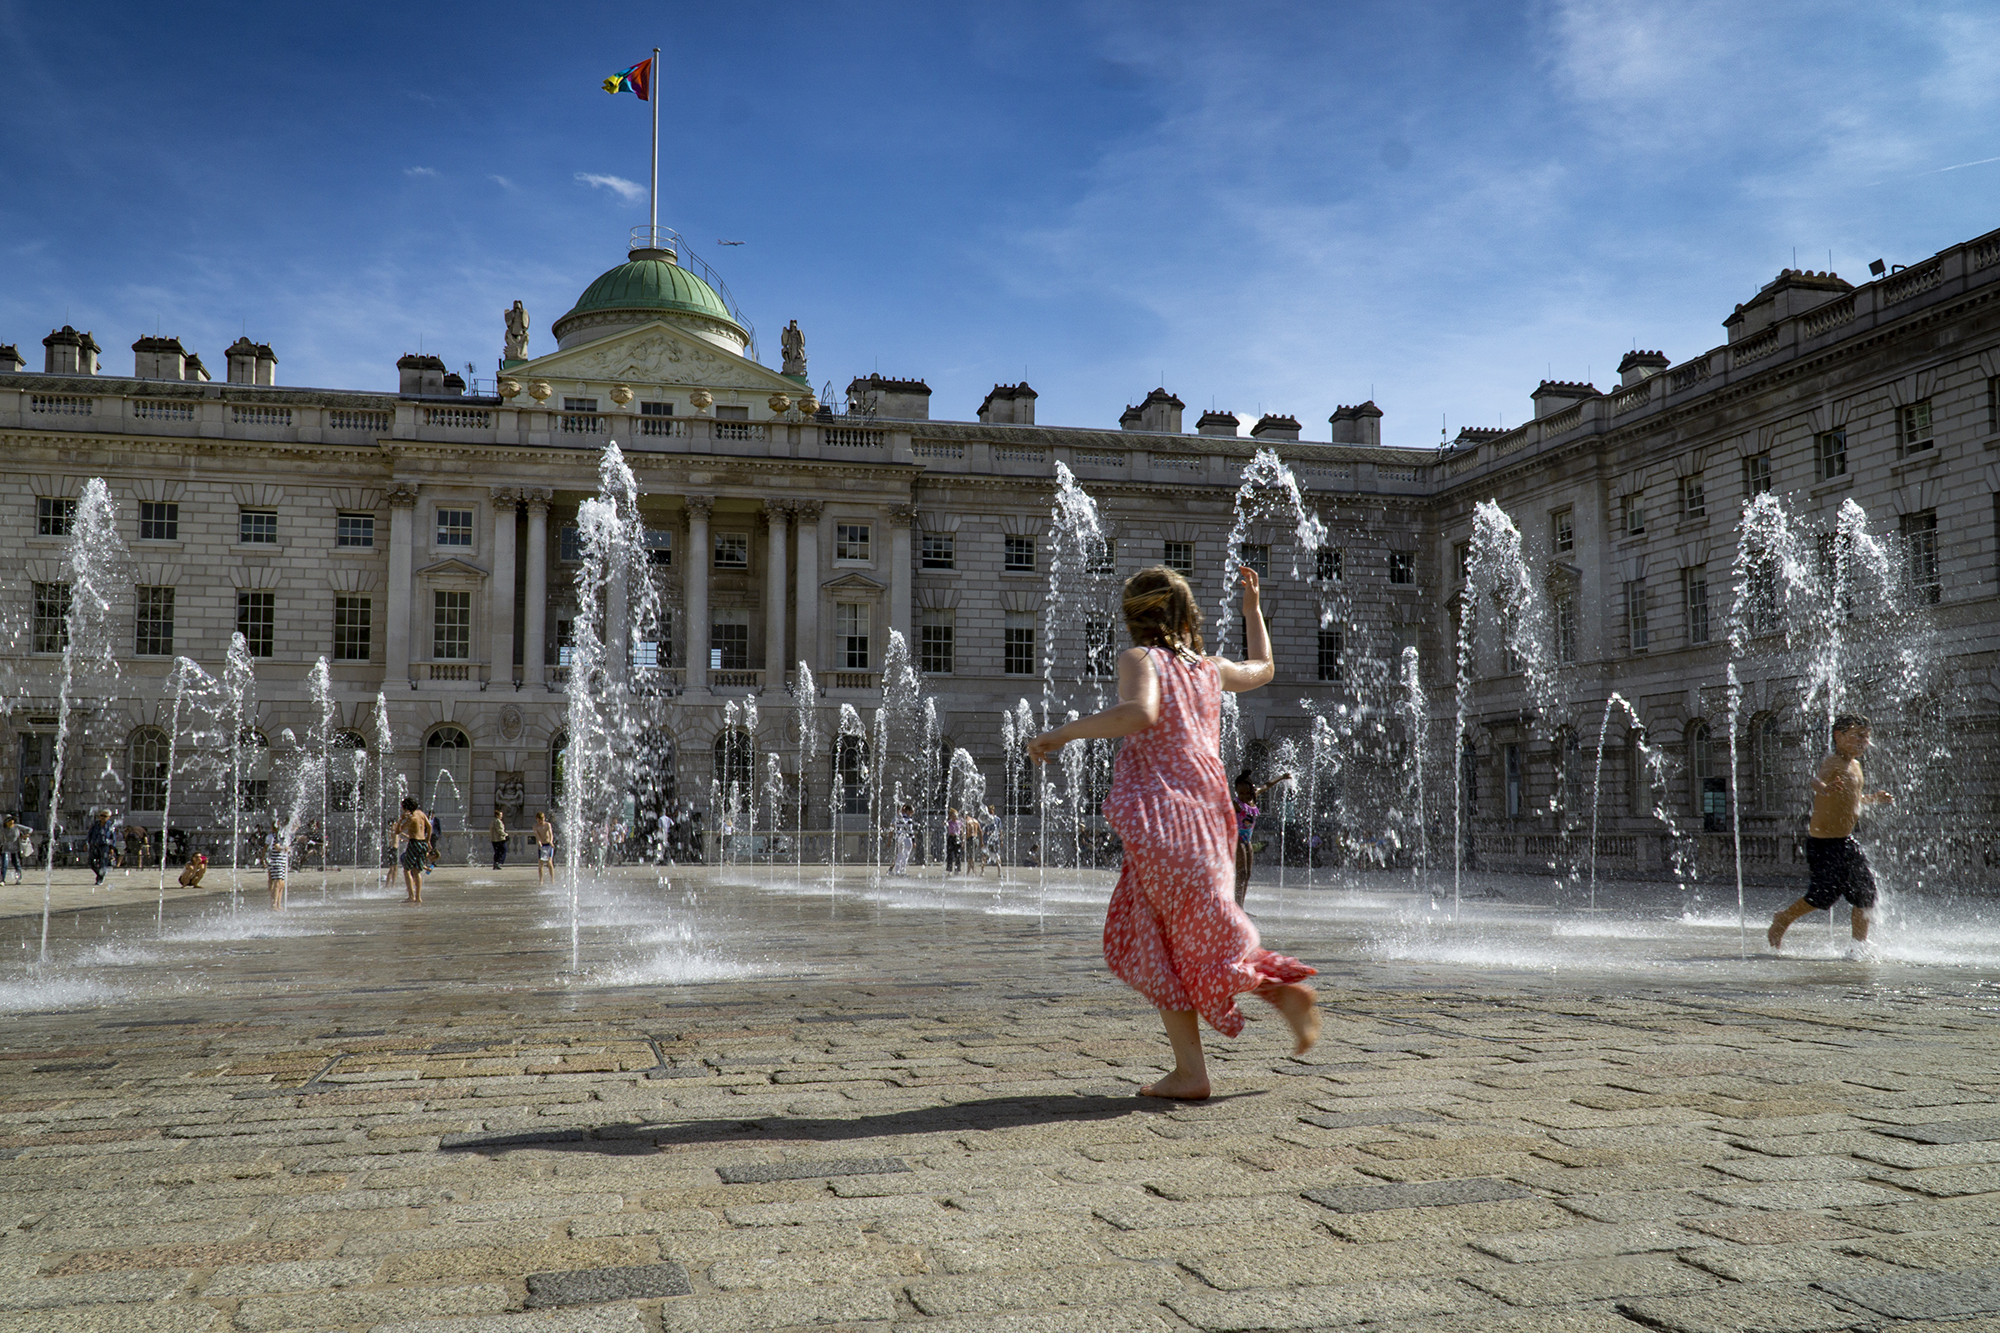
{"x": 1245, "y": 805}
{"x": 1835, "y": 863}
{"x": 415, "y": 828}
{"x": 1172, "y": 931}
{"x": 496, "y": 833}
{"x": 545, "y": 848}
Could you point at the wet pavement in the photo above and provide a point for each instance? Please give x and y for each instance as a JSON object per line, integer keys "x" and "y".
{"x": 766, "y": 1101}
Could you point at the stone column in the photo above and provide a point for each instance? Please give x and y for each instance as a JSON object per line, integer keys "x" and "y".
{"x": 778, "y": 512}
{"x": 900, "y": 518}
{"x": 500, "y": 601}
{"x": 695, "y": 595}
{"x": 402, "y": 540}
{"x": 805, "y": 643}
{"x": 534, "y": 629}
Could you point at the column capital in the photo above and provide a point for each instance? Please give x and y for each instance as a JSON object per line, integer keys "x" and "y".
{"x": 506, "y": 495}
{"x": 776, "y": 507}
{"x": 902, "y": 514}
{"x": 402, "y": 495}
{"x": 700, "y": 506}
{"x": 537, "y": 498}
{"x": 807, "y": 510}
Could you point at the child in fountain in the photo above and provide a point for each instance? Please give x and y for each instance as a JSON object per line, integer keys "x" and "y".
{"x": 545, "y": 847}
{"x": 1834, "y": 860}
{"x": 278, "y": 864}
{"x": 1245, "y": 804}
{"x": 1173, "y": 932}
{"x": 415, "y": 828}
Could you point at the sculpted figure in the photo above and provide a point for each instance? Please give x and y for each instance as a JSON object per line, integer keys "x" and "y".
{"x": 793, "y": 344}
{"x": 517, "y": 332}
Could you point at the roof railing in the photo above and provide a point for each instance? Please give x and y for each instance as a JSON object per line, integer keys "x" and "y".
{"x": 678, "y": 254}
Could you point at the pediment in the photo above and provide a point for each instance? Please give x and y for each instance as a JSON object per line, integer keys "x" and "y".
{"x": 854, "y": 583}
{"x": 655, "y": 353}
{"x": 453, "y": 568}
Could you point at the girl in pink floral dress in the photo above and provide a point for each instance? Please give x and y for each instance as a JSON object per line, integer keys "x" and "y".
{"x": 1174, "y": 932}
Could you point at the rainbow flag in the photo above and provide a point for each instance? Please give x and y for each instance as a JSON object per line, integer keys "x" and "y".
{"x": 638, "y": 79}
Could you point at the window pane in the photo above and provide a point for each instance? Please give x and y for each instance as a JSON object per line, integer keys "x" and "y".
{"x": 257, "y": 525}
{"x": 569, "y": 544}
{"x": 352, "y": 618}
{"x": 1020, "y": 553}
{"x": 54, "y": 515}
{"x": 850, "y": 541}
{"x": 1564, "y": 531}
{"x": 159, "y": 522}
{"x": 51, "y": 617}
{"x": 1330, "y": 645}
{"x": 1402, "y": 567}
{"x": 1257, "y": 555}
{"x": 731, "y": 639}
{"x": 940, "y": 551}
{"x": 935, "y": 643}
{"x": 155, "y": 608}
{"x": 732, "y": 550}
{"x": 256, "y": 621}
{"x": 1179, "y": 557}
{"x": 354, "y": 530}
{"x": 454, "y": 527}
{"x": 1018, "y": 644}
{"x": 451, "y": 625}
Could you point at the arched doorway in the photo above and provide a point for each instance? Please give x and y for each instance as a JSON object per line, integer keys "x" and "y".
{"x": 655, "y": 789}
{"x": 447, "y": 791}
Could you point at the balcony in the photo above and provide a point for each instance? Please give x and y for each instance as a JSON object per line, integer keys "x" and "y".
{"x": 719, "y": 679}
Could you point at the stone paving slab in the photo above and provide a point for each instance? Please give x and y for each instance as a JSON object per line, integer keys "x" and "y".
{"x": 358, "y": 1119}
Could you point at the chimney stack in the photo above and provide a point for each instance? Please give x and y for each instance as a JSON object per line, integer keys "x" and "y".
{"x": 70, "y": 353}
{"x": 194, "y": 371}
{"x": 1160, "y": 413}
{"x": 1217, "y": 424}
{"x": 1009, "y": 405}
{"x": 1554, "y": 396}
{"x": 159, "y": 359}
{"x": 1640, "y": 366}
{"x": 1270, "y": 426}
{"x": 900, "y": 400}
{"x": 10, "y": 359}
{"x": 1359, "y": 424}
{"x": 419, "y": 376}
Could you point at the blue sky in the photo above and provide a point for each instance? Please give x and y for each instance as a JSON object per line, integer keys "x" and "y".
{"x": 1263, "y": 207}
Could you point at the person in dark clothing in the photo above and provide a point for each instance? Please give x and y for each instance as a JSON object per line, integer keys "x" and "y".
{"x": 100, "y": 844}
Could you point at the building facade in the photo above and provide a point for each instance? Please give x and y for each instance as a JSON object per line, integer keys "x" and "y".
{"x": 424, "y": 544}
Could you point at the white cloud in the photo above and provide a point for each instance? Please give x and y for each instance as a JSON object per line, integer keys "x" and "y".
{"x": 420, "y": 171}
{"x": 502, "y": 182}
{"x": 624, "y": 189}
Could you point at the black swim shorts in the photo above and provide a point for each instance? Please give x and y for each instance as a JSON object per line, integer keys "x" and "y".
{"x": 1838, "y": 869}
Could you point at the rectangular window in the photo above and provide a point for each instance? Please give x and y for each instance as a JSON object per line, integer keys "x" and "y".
{"x": 659, "y": 548}
{"x": 54, "y": 515}
{"x": 257, "y": 526}
{"x": 1257, "y": 555}
{"x": 1993, "y": 406}
{"x": 1402, "y": 566}
{"x": 565, "y": 642}
{"x": 1020, "y": 554}
{"x": 352, "y": 620}
{"x": 850, "y": 542}
{"x": 656, "y": 409}
{"x": 851, "y": 622}
{"x": 1461, "y": 561}
{"x": 732, "y": 550}
{"x": 1633, "y": 515}
{"x": 1326, "y": 564}
{"x": 1566, "y": 627}
{"x": 1756, "y": 474}
{"x": 1562, "y": 531}
{"x": 1330, "y": 647}
{"x": 579, "y": 404}
{"x": 51, "y": 618}
{"x": 159, "y": 521}
{"x": 1914, "y": 434}
{"x": 451, "y": 625}
{"x": 1829, "y": 455}
{"x": 1920, "y": 555}
{"x": 1694, "y": 581}
{"x": 155, "y": 616}
{"x": 257, "y": 621}
{"x": 1100, "y": 651}
{"x": 1017, "y": 644}
{"x": 1179, "y": 557}
{"x": 940, "y": 550}
{"x": 1512, "y": 756}
{"x": 1635, "y": 615}
{"x": 569, "y": 544}
{"x": 454, "y": 527}
{"x": 729, "y": 641}
{"x": 354, "y": 530}
{"x": 934, "y": 643}
{"x": 732, "y": 414}
{"x": 1694, "y": 498}
{"x": 1102, "y": 557}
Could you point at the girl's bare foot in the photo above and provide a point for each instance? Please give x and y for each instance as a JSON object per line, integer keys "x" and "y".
{"x": 1182, "y": 1087}
{"x": 1776, "y": 934}
{"x": 1300, "y": 1007}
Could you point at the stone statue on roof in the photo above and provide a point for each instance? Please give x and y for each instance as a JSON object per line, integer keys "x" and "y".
{"x": 517, "y": 332}
{"x": 794, "y": 345}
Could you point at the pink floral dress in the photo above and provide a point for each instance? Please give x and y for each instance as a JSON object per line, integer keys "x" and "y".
{"x": 1174, "y": 932}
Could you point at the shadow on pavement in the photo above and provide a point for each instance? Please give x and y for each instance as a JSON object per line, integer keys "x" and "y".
{"x": 989, "y": 1113}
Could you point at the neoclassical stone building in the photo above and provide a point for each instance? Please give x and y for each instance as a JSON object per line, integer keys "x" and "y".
{"x": 423, "y": 542}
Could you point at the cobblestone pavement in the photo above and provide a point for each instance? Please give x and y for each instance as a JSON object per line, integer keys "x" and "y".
{"x": 775, "y": 1107}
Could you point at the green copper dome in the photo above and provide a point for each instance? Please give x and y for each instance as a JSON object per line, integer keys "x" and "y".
{"x": 645, "y": 285}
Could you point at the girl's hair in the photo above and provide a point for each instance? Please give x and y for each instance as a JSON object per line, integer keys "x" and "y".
{"x": 540, "y": 815}
{"x": 1243, "y": 779}
{"x": 409, "y": 804}
{"x": 1160, "y": 611}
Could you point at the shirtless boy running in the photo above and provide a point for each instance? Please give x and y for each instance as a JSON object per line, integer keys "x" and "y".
{"x": 1833, "y": 858}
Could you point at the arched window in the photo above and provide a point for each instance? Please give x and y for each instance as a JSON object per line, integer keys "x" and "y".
{"x": 850, "y": 774}
{"x": 1711, "y": 788}
{"x": 447, "y": 789}
{"x": 347, "y": 763}
{"x": 1569, "y": 756}
{"x": 735, "y": 760}
{"x": 1767, "y": 778}
{"x": 147, "y": 768}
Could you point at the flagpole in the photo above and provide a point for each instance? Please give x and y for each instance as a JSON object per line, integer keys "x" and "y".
{"x": 653, "y": 95}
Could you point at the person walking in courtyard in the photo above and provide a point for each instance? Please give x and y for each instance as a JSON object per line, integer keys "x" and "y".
{"x": 99, "y": 844}
{"x": 545, "y": 848}
{"x": 1244, "y": 803}
{"x": 906, "y": 838}
{"x": 992, "y": 845}
{"x": 10, "y": 849}
{"x": 496, "y": 833}
{"x": 1172, "y": 931}
{"x": 278, "y": 865}
{"x": 415, "y": 829}
{"x": 954, "y": 835}
{"x": 135, "y": 848}
{"x": 1835, "y": 864}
